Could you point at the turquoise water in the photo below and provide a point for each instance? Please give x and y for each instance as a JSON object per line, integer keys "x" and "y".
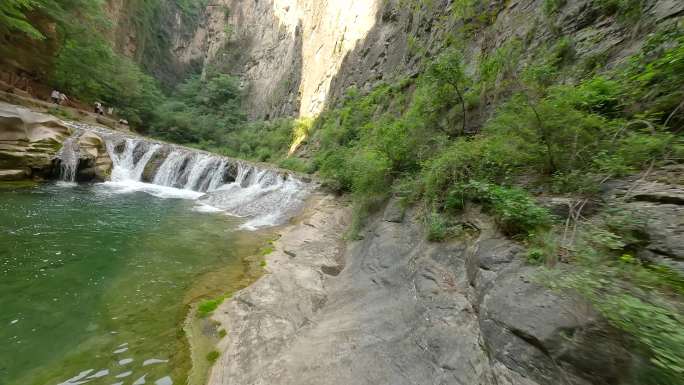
{"x": 95, "y": 282}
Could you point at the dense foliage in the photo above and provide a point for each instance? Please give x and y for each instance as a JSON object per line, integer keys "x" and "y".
{"x": 85, "y": 64}
{"x": 640, "y": 298}
{"x": 200, "y": 112}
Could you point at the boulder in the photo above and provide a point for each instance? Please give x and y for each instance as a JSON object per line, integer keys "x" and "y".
{"x": 29, "y": 140}
{"x": 547, "y": 335}
{"x": 658, "y": 202}
{"x": 94, "y": 161}
{"x": 561, "y": 206}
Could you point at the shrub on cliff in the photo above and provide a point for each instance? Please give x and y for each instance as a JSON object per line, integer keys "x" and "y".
{"x": 201, "y": 111}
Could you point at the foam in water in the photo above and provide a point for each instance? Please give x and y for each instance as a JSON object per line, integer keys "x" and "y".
{"x": 265, "y": 197}
{"x": 217, "y": 179}
{"x": 198, "y": 169}
{"x": 125, "y": 167}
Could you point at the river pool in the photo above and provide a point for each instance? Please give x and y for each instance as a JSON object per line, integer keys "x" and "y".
{"x": 96, "y": 281}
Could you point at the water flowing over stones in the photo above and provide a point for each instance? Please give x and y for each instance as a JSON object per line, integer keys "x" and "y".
{"x": 69, "y": 158}
{"x": 126, "y": 166}
{"x": 264, "y": 195}
{"x": 170, "y": 169}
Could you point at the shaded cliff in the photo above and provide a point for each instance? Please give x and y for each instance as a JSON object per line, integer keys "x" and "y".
{"x": 151, "y": 33}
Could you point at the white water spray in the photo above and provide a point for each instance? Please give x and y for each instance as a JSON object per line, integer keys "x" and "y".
{"x": 169, "y": 172}
{"x": 69, "y": 157}
{"x": 125, "y": 167}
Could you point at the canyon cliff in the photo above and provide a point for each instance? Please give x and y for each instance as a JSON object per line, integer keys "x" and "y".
{"x": 297, "y": 56}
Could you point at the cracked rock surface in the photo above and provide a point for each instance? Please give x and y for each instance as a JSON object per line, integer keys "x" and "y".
{"x": 396, "y": 309}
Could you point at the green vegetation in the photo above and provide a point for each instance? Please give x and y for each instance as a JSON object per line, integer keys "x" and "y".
{"x": 13, "y": 17}
{"x": 212, "y": 356}
{"x": 89, "y": 69}
{"x": 79, "y": 58}
{"x": 639, "y": 298}
{"x": 222, "y": 333}
{"x": 206, "y": 307}
{"x": 518, "y": 120}
{"x": 559, "y": 126}
{"x": 199, "y": 112}
{"x": 563, "y": 138}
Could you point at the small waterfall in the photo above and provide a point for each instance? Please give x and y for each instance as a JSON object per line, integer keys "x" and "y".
{"x": 69, "y": 156}
{"x": 198, "y": 170}
{"x": 264, "y": 196}
{"x": 169, "y": 172}
{"x": 217, "y": 179}
{"x": 125, "y": 166}
{"x": 243, "y": 172}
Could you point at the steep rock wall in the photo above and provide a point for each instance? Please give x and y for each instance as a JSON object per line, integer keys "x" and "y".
{"x": 157, "y": 35}
{"x": 296, "y": 56}
{"x": 286, "y": 51}
{"x": 405, "y": 37}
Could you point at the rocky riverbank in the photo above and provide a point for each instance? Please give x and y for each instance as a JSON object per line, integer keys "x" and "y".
{"x": 30, "y": 144}
{"x": 394, "y": 308}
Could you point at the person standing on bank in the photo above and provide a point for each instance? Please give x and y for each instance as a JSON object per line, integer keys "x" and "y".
{"x": 55, "y": 96}
{"x": 99, "y": 109}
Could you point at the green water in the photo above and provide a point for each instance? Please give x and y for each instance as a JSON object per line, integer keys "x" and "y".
{"x": 99, "y": 282}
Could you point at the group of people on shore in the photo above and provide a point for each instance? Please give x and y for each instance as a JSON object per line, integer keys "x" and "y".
{"x": 58, "y": 97}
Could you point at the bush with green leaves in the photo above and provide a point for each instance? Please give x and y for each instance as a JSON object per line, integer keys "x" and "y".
{"x": 514, "y": 209}
{"x": 200, "y": 111}
{"x": 638, "y": 297}
{"x": 656, "y": 86}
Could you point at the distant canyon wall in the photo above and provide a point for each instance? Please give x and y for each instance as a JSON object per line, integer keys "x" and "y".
{"x": 296, "y": 56}
{"x": 287, "y": 52}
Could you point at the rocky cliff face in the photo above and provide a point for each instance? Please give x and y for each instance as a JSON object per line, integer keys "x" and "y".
{"x": 29, "y": 142}
{"x": 395, "y": 309}
{"x": 286, "y": 51}
{"x": 157, "y": 35}
{"x": 295, "y": 56}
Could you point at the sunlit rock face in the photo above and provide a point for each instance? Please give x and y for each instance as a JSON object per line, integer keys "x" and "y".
{"x": 331, "y": 29}
{"x": 28, "y": 141}
{"x": 286, "y": 51}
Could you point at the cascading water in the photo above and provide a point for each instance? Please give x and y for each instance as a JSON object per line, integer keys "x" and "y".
{"x": 217, "y": 177}
{"x": 125, "y": 166}
{"x": 69, "y": 156}
{"x": 198, "y": 170}
{"x": 169, "y": 172}
{"x": 265, "y": 196}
